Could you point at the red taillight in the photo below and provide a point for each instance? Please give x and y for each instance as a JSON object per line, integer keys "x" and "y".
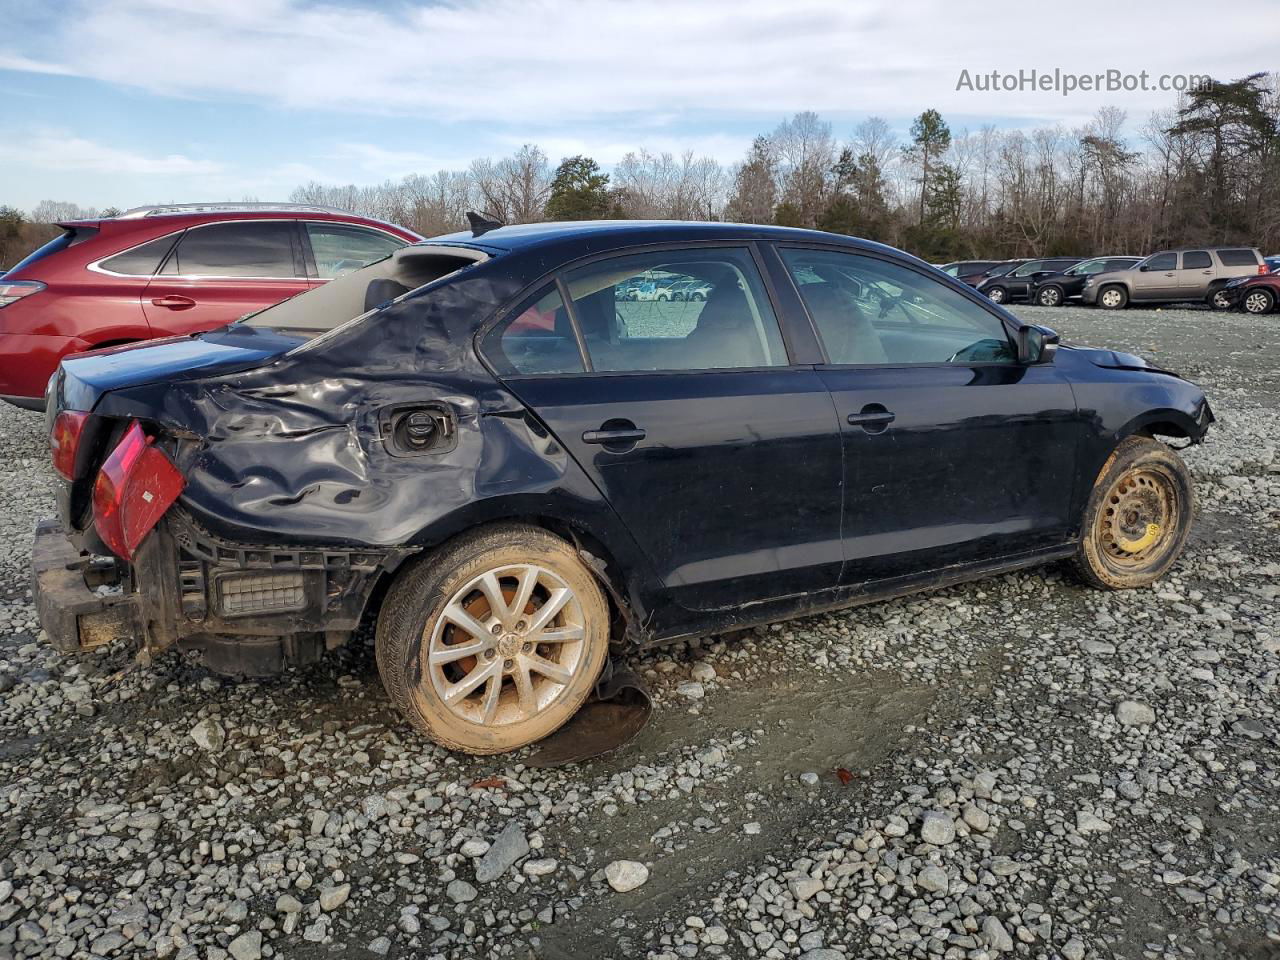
{"x": 64, "y": 441}
{"x": 1263, "y": 270}
{"x": 136, "y": 485}
{"x": 15, "y": 290}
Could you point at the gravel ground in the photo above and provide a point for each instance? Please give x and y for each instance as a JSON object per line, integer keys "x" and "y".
{"x": 1016, "y": 767}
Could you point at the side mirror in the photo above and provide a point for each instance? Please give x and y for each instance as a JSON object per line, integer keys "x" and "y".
{"x": 1036, "y": 344}
{"x": 1144, "y": 268}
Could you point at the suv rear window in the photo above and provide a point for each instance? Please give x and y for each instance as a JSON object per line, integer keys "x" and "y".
{"x": 56, "y": 245}
{"x": 247, "y": 249}
{"x": 1238, "y": 258}
{"x": 143, "y": 260}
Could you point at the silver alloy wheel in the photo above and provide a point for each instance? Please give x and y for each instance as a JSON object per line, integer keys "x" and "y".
{"x": 1221, "y": 300}
{"x": 1111, "y": 298}
{"x": 996, "y": 295}
{"x": 1257, "y": 302}
{"x": 506, "y": 645}
{"x": 1050, "y": 296}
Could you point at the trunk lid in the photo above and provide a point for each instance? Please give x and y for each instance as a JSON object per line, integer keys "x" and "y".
{"x": 83, "y": 379}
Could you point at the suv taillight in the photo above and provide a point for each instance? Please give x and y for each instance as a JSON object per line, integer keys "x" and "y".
{"x": 1263, "y": 269}
{"x": 136, "y": 485}
{"x": 17, "y": 289}
{"x": 64, "y": 441}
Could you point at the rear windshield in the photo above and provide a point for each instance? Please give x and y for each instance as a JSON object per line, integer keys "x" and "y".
{"x": 56, "y": 245}
{"x": 1238, "y": 258}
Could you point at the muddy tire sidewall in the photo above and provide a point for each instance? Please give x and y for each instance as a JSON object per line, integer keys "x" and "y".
{"x": 419, "y": 595}
{"x": 1091, "y": 561}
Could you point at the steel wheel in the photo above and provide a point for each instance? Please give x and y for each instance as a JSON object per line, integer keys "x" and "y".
{"x": 1136, "y": 521}
{"x": 506, "y": 646}
{"x": 1259, "y": 301}
{"x": 1138, "y": 516}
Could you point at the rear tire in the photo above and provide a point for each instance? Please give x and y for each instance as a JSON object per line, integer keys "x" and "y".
{"x": 1138, "y": 517}
{"x": 1259, "y": 302}
{"x": 1113, "y": 297}
{"x": 484, "y": 591}
{"x": 1050, "y": 296}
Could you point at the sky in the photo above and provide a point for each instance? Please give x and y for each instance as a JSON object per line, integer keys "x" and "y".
{"x": 126, "y": 102}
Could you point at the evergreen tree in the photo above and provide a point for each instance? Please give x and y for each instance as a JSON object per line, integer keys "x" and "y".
{"x": 579, "y": 191}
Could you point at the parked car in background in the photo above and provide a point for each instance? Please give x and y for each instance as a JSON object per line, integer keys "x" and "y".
{"x": 1256, "y": 295}
{"x": 1273, "y": 264}
{"x": 1055, "y": 289}
{"x": 511, "y": 482}
{"x": 1015, "y": 285}
{"x": 1175, "y": 276}
{"x": 167, "y": 270}
{"x": 969, "y": 271}
{"x": 693, "y": 291}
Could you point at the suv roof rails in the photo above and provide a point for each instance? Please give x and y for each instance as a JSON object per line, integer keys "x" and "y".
{"x": 159, "y": 210}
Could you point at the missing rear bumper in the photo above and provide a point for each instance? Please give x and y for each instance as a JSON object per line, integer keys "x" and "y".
{"x": 74, "y": 614}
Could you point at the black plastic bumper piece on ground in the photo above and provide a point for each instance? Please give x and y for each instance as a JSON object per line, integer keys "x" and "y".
{"x": 612, "y": 718}
{"x": 74, "y": 616}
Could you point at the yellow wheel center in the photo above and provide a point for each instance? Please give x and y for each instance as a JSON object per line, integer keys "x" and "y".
{"x": 1144, "y": 541}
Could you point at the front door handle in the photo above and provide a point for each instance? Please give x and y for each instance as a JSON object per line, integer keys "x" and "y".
{"x": 873, "y": 418}
{"x": 173, "y": 302}
{"x": 609, "y": 437}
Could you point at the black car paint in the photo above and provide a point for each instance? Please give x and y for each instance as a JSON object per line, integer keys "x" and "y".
{"x": 751, "y": 497}
{"x": 1072, "y": 284}
{"x": 1019, "y": 288}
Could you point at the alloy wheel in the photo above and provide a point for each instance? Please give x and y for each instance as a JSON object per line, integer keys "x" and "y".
{"x": 1050, "y": 297}
{"x": 1257, "y": 302}
{"x": 506, "y": 645}
{"x": 1220, "y": 300}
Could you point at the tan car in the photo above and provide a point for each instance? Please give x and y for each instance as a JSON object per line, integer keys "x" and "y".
{"x": 1175, "y": 276}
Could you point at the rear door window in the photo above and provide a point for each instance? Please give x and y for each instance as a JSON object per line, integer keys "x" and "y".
{"x": 251, "y": 249}
{"x": 676, "y": 310}
{"x": 1238, "y": 258}
{"x": 338, "y": 249}
{"x": 1196, "y": 260}
{"x": 143, "y": 260}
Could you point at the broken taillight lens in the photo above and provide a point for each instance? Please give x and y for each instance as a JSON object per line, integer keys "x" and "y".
{"x": 135, "y": 486}
{"x": 64, "y": 441}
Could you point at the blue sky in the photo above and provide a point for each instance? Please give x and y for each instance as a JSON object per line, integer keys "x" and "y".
{"x": 142, "y": 101}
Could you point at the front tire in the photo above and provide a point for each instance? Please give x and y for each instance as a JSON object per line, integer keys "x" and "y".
{"x": 1138, "y": 517}
{"x": 494, "y": 641}
{"x": 997, "y": 295}
{"x": 1259, "y": 302}
{"x": 1050, "y": 296}
{"x": 1114, "y": 297}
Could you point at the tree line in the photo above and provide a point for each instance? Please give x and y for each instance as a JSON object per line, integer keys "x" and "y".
{"x": 1206, "y": 170}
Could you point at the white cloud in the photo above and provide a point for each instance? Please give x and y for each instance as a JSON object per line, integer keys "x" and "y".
{"x": 551, "y": 63}
{"x": 55, "y": 150}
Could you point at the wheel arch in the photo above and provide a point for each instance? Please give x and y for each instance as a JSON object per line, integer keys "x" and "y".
{"x": 592, "y": 529}
{"x": 1161, "y": 422}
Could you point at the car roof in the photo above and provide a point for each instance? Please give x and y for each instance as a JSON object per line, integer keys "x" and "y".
{"x": 607, "y": 234}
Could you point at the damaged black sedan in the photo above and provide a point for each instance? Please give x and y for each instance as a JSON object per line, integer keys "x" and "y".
{"x": 485, "y": 444}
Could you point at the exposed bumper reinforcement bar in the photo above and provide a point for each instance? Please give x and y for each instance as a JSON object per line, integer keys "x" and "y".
{"x": 74, "y": 616}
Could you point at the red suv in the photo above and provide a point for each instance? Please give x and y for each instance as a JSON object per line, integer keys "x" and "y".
{"x": 164, "y": 271}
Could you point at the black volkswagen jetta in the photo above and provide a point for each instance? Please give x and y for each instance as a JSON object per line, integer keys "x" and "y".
{"x": 513, "y": 469}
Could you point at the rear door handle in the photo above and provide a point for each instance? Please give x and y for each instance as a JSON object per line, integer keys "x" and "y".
{"x": 610, "y": 437}
{"x": 173, "y": 302}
